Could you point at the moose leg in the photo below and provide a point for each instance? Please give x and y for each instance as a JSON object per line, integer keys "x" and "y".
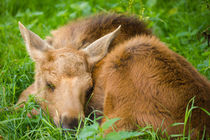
{"x": 24, "y": 97}
{"x": 110, "y": 112}
{"x": 124, "y": 124}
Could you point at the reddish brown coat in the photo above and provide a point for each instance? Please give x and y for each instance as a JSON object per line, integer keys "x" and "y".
{"x": 144, "y": 82}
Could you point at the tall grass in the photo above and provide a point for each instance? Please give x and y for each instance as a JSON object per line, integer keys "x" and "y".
{"x": 178, "y": 23}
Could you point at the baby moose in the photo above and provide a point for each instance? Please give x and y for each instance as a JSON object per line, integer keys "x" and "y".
{"x": 140, "y": 81}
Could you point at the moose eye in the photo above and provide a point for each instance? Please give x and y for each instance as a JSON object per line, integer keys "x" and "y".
{"x": 50, "y": 86}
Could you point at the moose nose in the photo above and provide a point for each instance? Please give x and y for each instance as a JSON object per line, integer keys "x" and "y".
{"x": 69, "y": 123}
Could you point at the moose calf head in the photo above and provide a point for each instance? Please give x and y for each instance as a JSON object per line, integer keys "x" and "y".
{"x": 63, "y": 76}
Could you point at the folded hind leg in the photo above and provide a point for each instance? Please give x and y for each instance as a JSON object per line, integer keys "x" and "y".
{"x": 24, "y": 97}
{"x": 124, "y": 124}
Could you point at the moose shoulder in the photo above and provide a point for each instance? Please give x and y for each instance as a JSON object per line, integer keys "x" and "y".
{"x": 133, "y": 75}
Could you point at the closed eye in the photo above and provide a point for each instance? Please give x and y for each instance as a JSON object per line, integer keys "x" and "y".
{"x": 50, "y": 86}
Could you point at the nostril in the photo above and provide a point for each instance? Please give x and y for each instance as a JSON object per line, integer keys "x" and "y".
{"x": 69, "y": 123}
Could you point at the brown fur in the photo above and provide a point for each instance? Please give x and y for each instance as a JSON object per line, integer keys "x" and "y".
{"x": 145, "y": 83}
{"x": 140, "y": 80}
{"x": 82, "y": 32}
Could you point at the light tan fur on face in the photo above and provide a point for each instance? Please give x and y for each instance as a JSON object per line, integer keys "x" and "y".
{"x": 68, "y": 73}
{"x": 63, "y": 75}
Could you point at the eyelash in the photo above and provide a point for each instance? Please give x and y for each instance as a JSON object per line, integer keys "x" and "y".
{"x": 50, "y": 86}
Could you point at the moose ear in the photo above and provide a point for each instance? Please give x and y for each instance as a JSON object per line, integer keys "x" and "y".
{"x": 99, "y": 48}
{"x": 36, "y": 47}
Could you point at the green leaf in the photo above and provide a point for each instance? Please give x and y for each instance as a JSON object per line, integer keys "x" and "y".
{"x": 62, "y": 13}
{"x": 126, "y": 134}
{"x": 37, "y": 13}
{"x": 208, "y": 113}
{"x": 151, "y": 3}
{"x": 113, "y": 136}
{"x": 89, "y": 131}
{"x": 109, "y": 123}
{"x": 172, "y": 11}
{"x": 181, "y": 34}
{"x": 176, "y": 124}
{"x": 122, "y": 135}
{"x": 176, "y": 135}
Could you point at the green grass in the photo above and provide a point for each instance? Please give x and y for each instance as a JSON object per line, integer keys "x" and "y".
{"x": 180, "y": 24}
